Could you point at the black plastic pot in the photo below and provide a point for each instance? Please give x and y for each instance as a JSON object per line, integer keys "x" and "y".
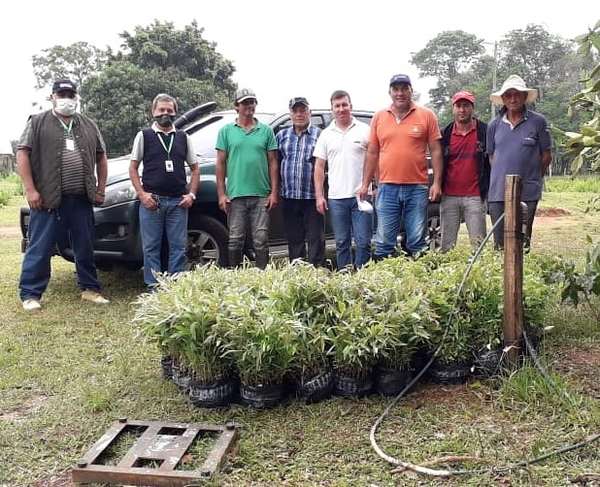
{"x": 420, "y": 359}
{"x": 166, "y": 364}
{"x": 316, "y": 388}
{"x": 181, "y": 376}
{"x": 487, "y": 363}
{"x": 262, "y": 396}
{"x": 389, "y": 381}
{"x": 350, "y": 386}
{"x": 220, "y": 393}
{"x": 454, "y": 373}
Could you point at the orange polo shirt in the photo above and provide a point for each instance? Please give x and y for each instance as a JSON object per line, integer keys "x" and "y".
{"x": 402, "y": 144}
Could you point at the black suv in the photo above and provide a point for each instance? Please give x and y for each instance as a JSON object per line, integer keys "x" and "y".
{"x": 118, "y": 239}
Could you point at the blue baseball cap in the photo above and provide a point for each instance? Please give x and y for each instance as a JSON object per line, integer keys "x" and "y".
{"x": 400, "y": 78}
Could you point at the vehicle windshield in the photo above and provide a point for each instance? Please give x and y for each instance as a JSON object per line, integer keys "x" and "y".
{"x": 204, "y": 133}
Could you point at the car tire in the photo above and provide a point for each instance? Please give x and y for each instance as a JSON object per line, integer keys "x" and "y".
{"x": 207, "y": 242}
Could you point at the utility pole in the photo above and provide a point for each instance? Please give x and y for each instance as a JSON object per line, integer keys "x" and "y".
{"x": 494, "y": 76}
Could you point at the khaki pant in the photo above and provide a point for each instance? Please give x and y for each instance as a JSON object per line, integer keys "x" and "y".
{"x": 453, "y": 209}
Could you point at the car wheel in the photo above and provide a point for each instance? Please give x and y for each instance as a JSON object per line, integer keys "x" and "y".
{"x": 206, "y": 242}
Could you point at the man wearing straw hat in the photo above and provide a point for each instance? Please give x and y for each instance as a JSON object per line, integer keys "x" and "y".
{"x": 518, "y": 142}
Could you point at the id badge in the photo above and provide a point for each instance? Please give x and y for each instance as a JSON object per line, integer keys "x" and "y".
{"x": 70, "y": 144}
{"x": 169, "y": 165}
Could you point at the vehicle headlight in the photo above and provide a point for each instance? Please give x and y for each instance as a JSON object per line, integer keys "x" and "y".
{"x": 119, "y": 193}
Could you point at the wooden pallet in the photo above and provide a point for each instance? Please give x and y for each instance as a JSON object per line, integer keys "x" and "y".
{"x": 162, "y": 443}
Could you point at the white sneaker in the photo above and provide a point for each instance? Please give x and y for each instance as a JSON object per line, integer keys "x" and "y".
{"x": 32, "y": 304}
{"x": 94, "y": 297}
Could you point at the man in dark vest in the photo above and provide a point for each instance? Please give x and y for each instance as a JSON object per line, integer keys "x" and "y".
{"x": 61, "y": 158}
{"x": 163, "y": 191}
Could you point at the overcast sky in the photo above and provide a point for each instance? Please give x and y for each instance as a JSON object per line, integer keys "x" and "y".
{"x": 280, "y": 49}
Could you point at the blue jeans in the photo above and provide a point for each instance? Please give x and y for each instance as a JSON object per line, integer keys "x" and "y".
{"x": 172, "y": 220}
{"x": 347, "y": 222}
{"x": 75, "y": 219}
{"x": 396, "y": 203}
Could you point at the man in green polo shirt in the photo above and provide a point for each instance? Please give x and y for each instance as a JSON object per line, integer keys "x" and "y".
{"x": 247, "y": 158}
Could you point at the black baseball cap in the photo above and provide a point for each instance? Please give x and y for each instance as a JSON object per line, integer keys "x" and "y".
{"x": 298, "y": 100}
{"x": 64, "y": 85}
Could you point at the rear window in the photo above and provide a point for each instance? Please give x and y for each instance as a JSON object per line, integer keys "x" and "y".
{"x": 204, "y": 134}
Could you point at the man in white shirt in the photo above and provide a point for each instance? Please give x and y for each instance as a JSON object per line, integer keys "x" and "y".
{"x": 342, "y": 146}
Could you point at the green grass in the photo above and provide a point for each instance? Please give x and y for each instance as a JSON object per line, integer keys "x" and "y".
{"x": 69, "y": 371}
{"x": 579, "y": 184}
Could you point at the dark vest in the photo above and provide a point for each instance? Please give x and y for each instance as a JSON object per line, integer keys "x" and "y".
{"x": 155, "y": 178}
{"x": 46, "y": 155}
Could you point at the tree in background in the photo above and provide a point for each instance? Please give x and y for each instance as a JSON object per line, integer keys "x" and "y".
{"x": 583, "y": 144}
{"x": 446, "y": 57}
{"x": 77, "y": 62}
{"x": 155, "y": 59}
{"x": 158, "y": 58}
{"x": 543, "y": 60}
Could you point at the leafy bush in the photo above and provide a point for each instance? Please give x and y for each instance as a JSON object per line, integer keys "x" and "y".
{"x": 4, "y": 198}
{"x": 180, "y": 318}
{"x": 295, "y": 319}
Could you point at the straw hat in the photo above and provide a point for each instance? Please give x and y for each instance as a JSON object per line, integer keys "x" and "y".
{"x": 514, "y": 82}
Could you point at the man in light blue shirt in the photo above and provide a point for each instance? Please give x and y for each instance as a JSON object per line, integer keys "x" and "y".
{"x": 518, "y": 142}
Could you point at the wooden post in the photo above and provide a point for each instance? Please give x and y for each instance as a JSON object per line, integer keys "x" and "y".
{"x": 513, "y": 268}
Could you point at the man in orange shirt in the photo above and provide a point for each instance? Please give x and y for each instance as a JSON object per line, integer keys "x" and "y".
{"x": 400, "y": 136}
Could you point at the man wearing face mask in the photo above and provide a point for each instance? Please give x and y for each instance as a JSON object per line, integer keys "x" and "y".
{"x": 163, "y": 192}
{"x": 61, "y": 159}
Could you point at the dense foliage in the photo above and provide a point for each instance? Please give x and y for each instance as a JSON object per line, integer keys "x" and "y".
{"x": 296, "y": 319}
{"x": 117, "y": 88}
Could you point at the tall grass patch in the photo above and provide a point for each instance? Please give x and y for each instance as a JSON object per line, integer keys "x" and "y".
{"x": 580, "y": 184}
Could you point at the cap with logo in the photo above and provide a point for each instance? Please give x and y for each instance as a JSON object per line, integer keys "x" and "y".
{"x": 244, "y": 94}
{"x": 463, "y": 95}
{"x": 400, "y": 78}
{"x": 298, "y": 100}
{"x": 64, "y": 85}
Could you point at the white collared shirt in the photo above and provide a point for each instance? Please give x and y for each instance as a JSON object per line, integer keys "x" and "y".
{"x": 344, "y": 151}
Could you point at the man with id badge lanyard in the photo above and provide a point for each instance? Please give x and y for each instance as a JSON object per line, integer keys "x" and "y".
{"x": 163, "y": 191}
{"x": 59, "y": 156}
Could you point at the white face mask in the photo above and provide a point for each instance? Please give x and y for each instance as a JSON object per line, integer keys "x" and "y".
{"x": 65, "y": 106}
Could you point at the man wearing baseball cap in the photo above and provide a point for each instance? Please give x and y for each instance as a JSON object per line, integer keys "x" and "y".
{"x": 518, "y": 142}
{"x": 247, "y": 160}
{"x": 303, "y": 223}
{"x": 61, "y": 158}
{"x": 400, "y": 137}
{"x": 466, "y": 174}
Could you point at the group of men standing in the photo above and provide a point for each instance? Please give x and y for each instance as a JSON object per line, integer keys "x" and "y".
{"x": 343, "y": 170}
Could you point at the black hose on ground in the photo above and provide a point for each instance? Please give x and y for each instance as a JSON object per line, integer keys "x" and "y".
{"x": 493, "y": 470}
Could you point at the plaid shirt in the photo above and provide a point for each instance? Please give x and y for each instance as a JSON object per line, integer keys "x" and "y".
{"x": 297, "y": 164}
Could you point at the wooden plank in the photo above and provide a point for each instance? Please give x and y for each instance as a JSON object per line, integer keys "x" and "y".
{"x": 133, "y": 476}
{"x": 103, "y": 443}
{"x": 513, "y": 268}
{"x": 226, "y": 441}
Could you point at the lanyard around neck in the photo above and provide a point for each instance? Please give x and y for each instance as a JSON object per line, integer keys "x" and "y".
{"x": 67, "y": 128}
{"x": 162, "y": 142}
